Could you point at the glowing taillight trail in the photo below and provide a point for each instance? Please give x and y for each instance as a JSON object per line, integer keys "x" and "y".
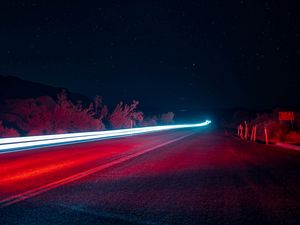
{"x": 60, "y": 136}
{"x": 22, "y": 143}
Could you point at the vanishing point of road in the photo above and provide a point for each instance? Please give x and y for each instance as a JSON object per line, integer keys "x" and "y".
{"x": 188, "y": 176}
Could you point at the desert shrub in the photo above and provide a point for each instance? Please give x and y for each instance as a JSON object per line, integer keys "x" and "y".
{"x": 293, "y": 136}
{"x": 74, "y": 117}
{"x": 34, "y": 132}
{"x": 149, "y": 121}
{"x": 100, "y": 110}
{"x": 7, "y": 132}
{"x": 167, "y": 118}
{"x": 30, "y": 114}
{"x": 277, "y": 130}
{"x": 45, "y": 116}
{"x": 123, "y": 114}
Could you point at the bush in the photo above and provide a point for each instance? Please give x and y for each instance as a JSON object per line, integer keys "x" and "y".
{"x": 45, "y": 116}
{"x": 277, "y": 130}
{"x": 167, "y": 118}
{"x": 7, "y": 132}
{"x": 293, "y": 137}
{"x": 149, "y": 121}
{"x": 123, "y": 115}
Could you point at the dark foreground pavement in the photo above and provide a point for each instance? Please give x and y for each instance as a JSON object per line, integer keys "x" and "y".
{"x": 205, "y": 178}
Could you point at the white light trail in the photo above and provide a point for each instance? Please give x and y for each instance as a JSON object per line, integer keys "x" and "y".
{"x": 23, "y": 143}
{"x": 59, "y": 136}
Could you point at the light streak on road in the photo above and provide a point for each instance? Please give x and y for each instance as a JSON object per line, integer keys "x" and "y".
{"x": 59, "y": 136}
{"x": 25, "y": 143}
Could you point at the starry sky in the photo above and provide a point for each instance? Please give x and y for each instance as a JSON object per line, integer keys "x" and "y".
{"x": 172, "y": 55}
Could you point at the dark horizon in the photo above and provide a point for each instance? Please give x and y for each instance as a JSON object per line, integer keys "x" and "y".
{"x": 172, "y": 55}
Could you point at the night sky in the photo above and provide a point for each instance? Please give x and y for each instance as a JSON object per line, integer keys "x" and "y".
{"x": 174, "y": 55}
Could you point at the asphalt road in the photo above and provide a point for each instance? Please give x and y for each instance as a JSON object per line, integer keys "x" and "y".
{"x": 189, "y": 176}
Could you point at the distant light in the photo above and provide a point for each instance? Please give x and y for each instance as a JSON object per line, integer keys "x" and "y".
{"x": 23, "y": 143}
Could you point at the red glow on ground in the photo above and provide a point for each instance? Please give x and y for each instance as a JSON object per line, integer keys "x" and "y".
{"x": 22, "y": 171}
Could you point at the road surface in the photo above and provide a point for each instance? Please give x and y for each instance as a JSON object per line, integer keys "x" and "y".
{"x": 189, "y": 176}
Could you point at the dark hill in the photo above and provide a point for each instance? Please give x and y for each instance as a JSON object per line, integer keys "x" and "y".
{"x": 15, "y": 88}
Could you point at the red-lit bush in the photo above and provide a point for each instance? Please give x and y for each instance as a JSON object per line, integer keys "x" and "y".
{"x": 167, "y": 118}
{"x": 149, "y": 121}
{"x": 101, "y": 111}
{"x": 293, "y": 137}
{"x": 74, "y": 117}
{"x": 7, "y": 132}
{"x": 123, "y": 115}
{"x": 30, "y": 114}
{"x": 277, "y": 130}
{"x": 45, "y": 116}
